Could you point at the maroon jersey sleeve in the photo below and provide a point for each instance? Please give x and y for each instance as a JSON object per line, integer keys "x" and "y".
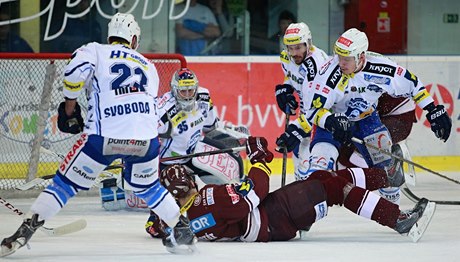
{"x": 220, "y": 212}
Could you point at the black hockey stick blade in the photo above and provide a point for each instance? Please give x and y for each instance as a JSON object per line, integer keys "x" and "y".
{"x": 359, "y": 141}
{"x": 414, "y": 198}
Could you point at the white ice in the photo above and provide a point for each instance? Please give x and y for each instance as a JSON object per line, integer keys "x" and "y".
{"x": 341, "y": 236}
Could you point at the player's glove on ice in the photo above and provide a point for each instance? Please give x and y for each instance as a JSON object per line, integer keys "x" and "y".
{"x": 181, "y": 234}
{"x": 155, "y": 227}
{"x": 257, "y": 151}
{"x": 291, "y": 138}
{"x": 440, "y": 122}
{"x": 70, "y": 124}
{"x": 340, "y": 128}
{"x": 285, "y": 99}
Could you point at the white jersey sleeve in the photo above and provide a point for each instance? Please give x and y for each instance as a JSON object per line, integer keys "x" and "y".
{"x": 122, "y": 87}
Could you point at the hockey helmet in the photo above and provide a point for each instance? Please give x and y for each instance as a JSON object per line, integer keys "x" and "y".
{"x": 297, "y": 33}
{"x": 125, "y": 27}
{"x": 351, "y": 43}
{"x": 184, "y": 85}
{"x": 177, "y": 180}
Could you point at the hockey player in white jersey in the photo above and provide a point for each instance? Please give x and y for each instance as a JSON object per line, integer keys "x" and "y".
{"x": 300, "y": 63}
{"x": 189, "y": 120}
{"x": 345, "y": 91}
{"x": 122, "y": 122}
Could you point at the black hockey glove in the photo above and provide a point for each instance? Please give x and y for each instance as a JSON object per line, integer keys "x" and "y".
{"x": 155, "y": 226}
{"x": 181, "y": 234}
{"x": 340, "y": 128}
{"x": 441, "y": 124}
{"x": 257, "y": 151}
{"x": 70, "y": 124}
{"x": 286, "y": 99}
{"x": 290, "y": 139}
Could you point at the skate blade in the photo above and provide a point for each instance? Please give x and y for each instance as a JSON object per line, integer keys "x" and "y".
{"x": 416, "y": 232}
{"x": 183, "y": 249}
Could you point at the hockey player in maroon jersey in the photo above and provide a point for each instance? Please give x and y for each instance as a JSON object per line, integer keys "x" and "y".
{"x": 248, "y": 212}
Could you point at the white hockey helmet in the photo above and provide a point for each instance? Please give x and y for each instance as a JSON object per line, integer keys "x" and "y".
{"x": 351, "y": 43}
{"x": 184, "y": 85}
{"x": 126, "y": 27}
{"x": 297, "y": 33}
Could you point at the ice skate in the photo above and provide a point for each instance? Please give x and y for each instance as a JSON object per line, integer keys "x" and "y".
{"x": 10, "y": 244}
{"x": 181, "y": 239}
{"x": 395, "y": 172}
{"x": 414, "y": 222}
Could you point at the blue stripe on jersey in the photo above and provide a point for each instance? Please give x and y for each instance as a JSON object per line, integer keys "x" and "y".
{"x": 97, "y": 111}
{"x": 61, "y": 189}
{"x": 75, "y": 68}
{"x": 166, "y": 146}
{"x": 96, "y": 85}
{"x": 310, "y": 119}
{"x": 153, "y": 195}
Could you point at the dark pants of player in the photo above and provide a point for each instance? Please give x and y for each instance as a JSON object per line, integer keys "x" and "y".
{"x": 294, "y": 207}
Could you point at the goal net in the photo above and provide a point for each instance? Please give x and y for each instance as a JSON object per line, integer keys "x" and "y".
{"x": 30, "y": 92}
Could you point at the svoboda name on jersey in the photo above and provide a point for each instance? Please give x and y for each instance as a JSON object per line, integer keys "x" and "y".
{"x": 128, "y": 108}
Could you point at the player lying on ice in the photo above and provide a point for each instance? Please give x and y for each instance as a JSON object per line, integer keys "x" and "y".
{"x": 248, "y": 212}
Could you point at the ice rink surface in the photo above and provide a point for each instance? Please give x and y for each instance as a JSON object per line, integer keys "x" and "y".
{"x": 341, "y": 236}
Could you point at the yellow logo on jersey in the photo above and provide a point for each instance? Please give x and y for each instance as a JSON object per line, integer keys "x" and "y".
{"x": 177, "y": 119}
{"x": 245, "y": 186}
{"x": 284, "y": 57}
{"x": 344, "y": 82}
{"x": 317, "y": 103}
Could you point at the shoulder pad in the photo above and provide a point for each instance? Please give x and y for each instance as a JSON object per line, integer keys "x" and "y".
{"x": 284, "y": 56}
{"x": 203, "y": 95}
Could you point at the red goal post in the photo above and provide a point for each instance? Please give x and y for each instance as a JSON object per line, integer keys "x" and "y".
{"x": 30, "y": 91}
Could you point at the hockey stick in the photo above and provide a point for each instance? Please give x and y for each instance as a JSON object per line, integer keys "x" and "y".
{"x": 39, "y": 180}
{"x": 72, "y": 227}
{"x": 284, "y": 166}
{"x": 62, "y": 157}
{"x": 207, "y": 153}
{"x": 357, "y": 140}
{"x": 414, "y": 198}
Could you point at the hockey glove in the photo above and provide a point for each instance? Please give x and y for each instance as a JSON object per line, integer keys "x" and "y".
{"x": 155, "y": 226}
{"x": 340, "y": 128}
{"x": 286, "y": 99}
{"x": 194, "y": 26}
{"x": 181, "y": 234}
{"x": 257, "y": 151}
{"x": 440, "y": 122}
{"x": 70, "y": 124}
{"x": 291, "y": 138}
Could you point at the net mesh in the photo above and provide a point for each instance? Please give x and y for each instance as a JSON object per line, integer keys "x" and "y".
{"x": 22, "y": 78}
